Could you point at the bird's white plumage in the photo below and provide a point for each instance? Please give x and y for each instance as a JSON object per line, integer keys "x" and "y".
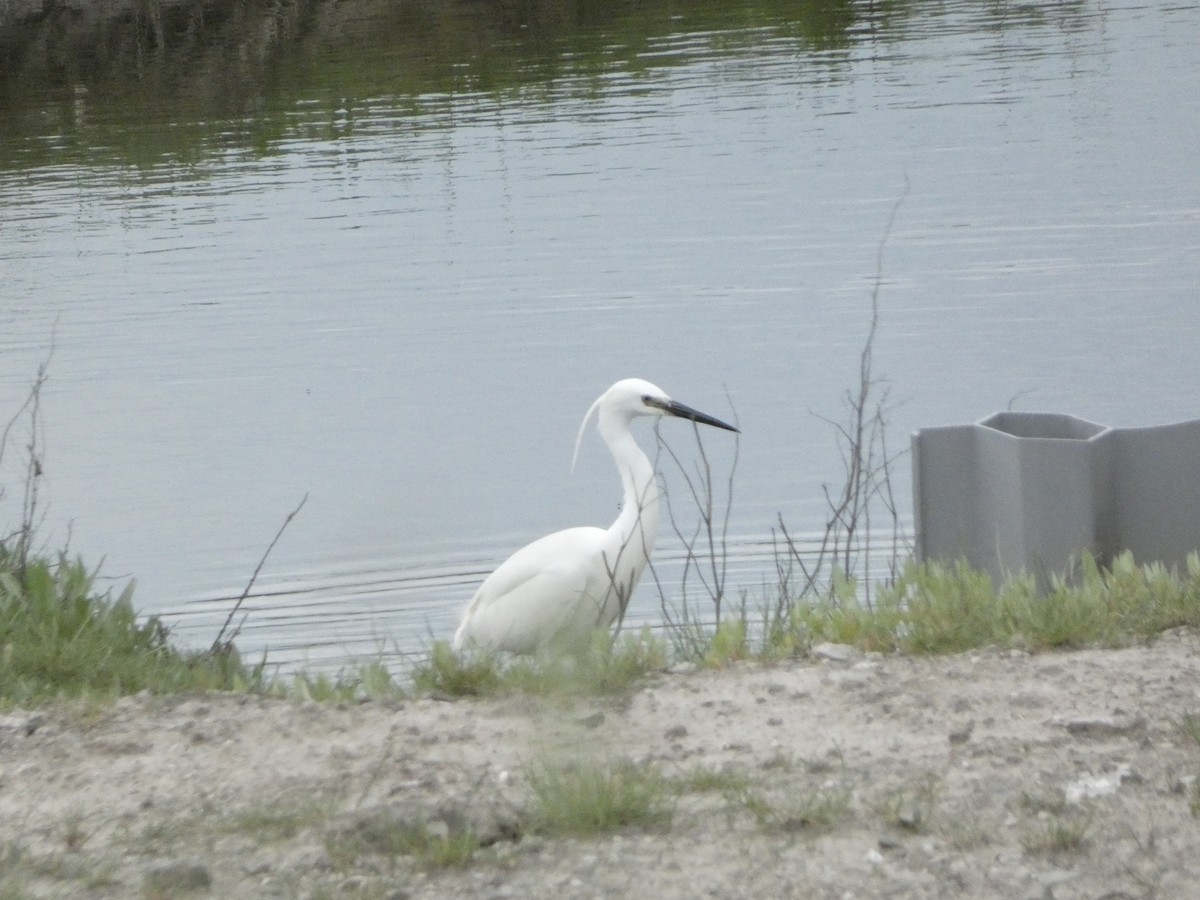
{"x": 555, "y": 592}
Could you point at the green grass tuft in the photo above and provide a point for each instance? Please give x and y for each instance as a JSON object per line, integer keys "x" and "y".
{"x": 936, "y": 608}
{"x": 728, "y": 644}
{"x": 454, "y": 675}
{"x": 371, "y": 681}
{"x": 457, "y": 675}
{"x": 700, "y": 779}
{"x": 1189, "y": 731}
{"x": 61, "y": 637}
{"x": 911, "y": 807}
{"x": 424, "y": 847}
{"x": 281, "y": 820}
{"x": 1053, "y": 834}
{"x": 605, "y": 667}
{"x": 1057, "y": 826}
{"x": 589, "y": 797}
{"x": 797, "y": 809}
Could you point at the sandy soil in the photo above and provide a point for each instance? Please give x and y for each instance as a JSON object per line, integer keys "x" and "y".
{"x": 965, "y": 776}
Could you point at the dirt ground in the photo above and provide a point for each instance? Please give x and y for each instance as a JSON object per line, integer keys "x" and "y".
{"x": 989, "y": 774}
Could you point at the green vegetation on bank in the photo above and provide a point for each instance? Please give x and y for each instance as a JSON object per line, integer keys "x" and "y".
{"x": 62, "y": 637}
{"x": 930, "y": 608}
{"x": 936, "y": 608}
{"x": 590, "y": 797}
{"x": 606, "y": 667}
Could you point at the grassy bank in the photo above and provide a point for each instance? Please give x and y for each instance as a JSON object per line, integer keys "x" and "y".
{"x": 61, "y": 637}
{"x": 930, "y": 609}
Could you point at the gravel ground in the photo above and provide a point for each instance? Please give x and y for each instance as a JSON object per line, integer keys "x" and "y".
{"x": 989, "y": 774}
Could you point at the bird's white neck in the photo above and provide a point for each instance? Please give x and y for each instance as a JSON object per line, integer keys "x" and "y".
{"x": 637, "y": 525}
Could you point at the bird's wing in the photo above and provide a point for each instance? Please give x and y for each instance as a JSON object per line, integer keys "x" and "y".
{"x": 534, "y": 597}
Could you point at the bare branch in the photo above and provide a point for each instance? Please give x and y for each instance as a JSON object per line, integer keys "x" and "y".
{"x": 705, "y": 549}
{"x": 23, "y": 535}
{"x": 223, "y": 644}
{"x": 846, "y": 545}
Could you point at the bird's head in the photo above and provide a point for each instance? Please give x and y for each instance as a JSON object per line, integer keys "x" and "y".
{"x": 633, "y": 397}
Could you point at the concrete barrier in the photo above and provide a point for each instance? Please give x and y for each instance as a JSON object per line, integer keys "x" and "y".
{"x": 1031, "y": 491}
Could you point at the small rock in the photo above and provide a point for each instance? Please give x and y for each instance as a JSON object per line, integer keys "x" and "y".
{"x": 533, "y": 844}
{"x": 962, "y": 735}
{"x": 841, "y": 653}
{"x": 595, "y": 720}
{"x": 909, "y": 817}
{"x": 258, "y": 867}
{"x": 22, "y": 723}
{"x": 1054, "y": 877}
{"x": 675, "y": 732}
{"x": 178, "y": 877}
{"x": 1097, "y": 786}
{"x": 374, "y": 827}
{"x": 1104, "y": 726}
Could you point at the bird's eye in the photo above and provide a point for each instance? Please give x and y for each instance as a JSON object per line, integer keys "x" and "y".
{"x": 646, "y": 399}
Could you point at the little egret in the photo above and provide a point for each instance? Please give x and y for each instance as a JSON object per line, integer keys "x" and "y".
{"x": 555, "y": 592}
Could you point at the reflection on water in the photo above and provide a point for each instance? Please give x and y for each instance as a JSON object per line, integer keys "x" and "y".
{"x": 386, "y": 254}
{"x": 183, "y": 81}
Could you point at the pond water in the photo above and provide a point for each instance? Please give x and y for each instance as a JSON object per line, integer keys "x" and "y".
{"x": 384, "y": 256}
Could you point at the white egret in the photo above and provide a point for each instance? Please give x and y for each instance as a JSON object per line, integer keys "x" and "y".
{"x": 555, "y": 592}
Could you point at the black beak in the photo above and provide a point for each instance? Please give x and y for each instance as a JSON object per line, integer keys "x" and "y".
{"x": 672, "y": 408}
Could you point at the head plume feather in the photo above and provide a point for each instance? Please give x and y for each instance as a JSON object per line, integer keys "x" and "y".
{"x": 582, "y": 428}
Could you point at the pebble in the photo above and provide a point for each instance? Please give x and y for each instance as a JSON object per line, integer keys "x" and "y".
{"x": 177, "y": 877}
{"x": 1103, "y": 726}
{"x": 595, "y": 720}
{"x": 22, "y": 724}
{"x": 1098, "y": 785}
{"x": 841, "y": 653}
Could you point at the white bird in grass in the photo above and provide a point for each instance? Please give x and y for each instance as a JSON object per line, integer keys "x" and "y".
{"x": 555, "y": 592}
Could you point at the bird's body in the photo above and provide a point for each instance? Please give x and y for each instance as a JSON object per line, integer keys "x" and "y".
{"x": 555, "y": 592}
